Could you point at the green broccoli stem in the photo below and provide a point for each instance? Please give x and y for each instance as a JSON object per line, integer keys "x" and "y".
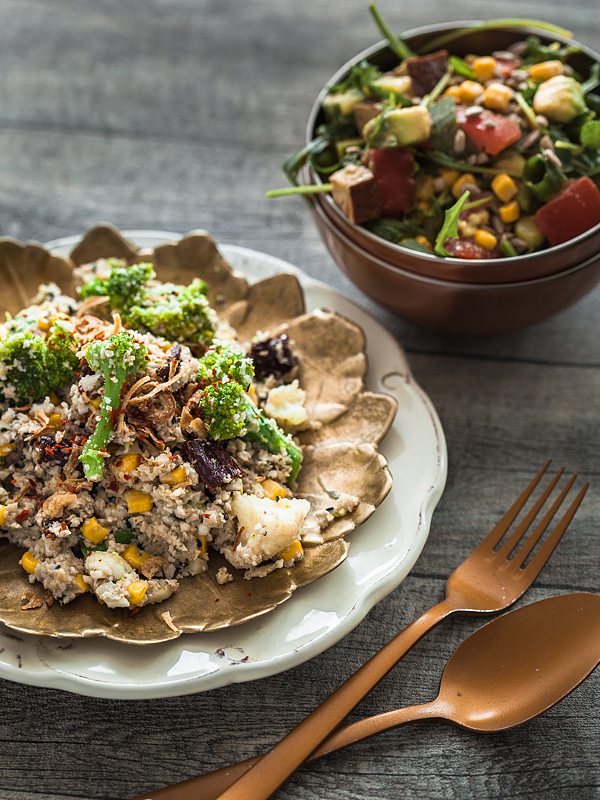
{"x": 273, "y": 438}
{"x": 94, "y": 450}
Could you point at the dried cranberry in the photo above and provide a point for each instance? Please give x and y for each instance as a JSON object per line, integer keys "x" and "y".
{"x": 272, "y": 356}
{"x": 211, "y": 461}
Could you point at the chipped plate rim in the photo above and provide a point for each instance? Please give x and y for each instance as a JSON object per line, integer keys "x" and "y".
{"x": 382, "y": 551}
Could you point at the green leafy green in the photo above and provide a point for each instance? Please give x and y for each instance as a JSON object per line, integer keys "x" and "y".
{"x": 460, "y": 67}
{"x": 594, "y": 79}
{"x": 449, "y": 229}
{"x": 537, "y": 52}
{"x": 397, "y": 46}
{"x": 124, "y": 536}
{"x": 394, "y": 230}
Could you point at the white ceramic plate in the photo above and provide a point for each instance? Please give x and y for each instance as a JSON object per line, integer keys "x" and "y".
{"x": 382, "y": 551}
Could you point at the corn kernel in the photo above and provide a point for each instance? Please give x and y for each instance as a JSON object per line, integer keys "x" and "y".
{"x": 510, "y": 212}
{"x": 484, "y": 68}
{"x": 6, "y": 448}
{"x": 28, "y": 562}
{"x": 449, "y": 175}
{"x": 292, "y": 552}
{"x": 510, "y": 162}
{"x": 454, "y": 92}
{"x": 424, "y": 241}
{"x": 134, "y": 556}
{"x": 54, "y": 420}
{"x": 424, "y": 187}
{"x": 138, "y": 502}
{"x": 137, "y": 590}
{"x": 54, "y": 398}
{"x": 545, "y": 70}
{"x": 178, "y": 475}
{"x": 126, "y": 464}
{"x": 504, "y": 187}
{"x": 43, "y": 323}
{"x": 252, "y": 395}
{"x": 93, "y": 531}
{"x": 466, "y": 177}
{"x": 2, "y": 514}
{"x": 423, "y": 205}
{"x": 272, "y": 489}
{"x": 81, "y": 583}
{"x": 468, "y": 91}
{"x": 95, "y": 402}
{"x": 481, "y": 216}
{"x": 497, "y": 96}
{"x": 486, "y": 239}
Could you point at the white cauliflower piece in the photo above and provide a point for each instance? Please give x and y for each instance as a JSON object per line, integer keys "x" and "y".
{"x": 107, "y": 566}
{"x": 265, "y": 528}
{"x": 285, "y": 404}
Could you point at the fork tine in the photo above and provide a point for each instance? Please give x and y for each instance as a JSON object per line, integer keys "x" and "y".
{"x": 516, "y": 537}
{"x": 546, "y": 550}
{"x": 498, "y": 531}
{"x": 536, "y": 535}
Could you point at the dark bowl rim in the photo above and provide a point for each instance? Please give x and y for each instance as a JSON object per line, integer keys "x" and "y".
{"x": 420, "y": 31}
{"x": 450, "y": 284}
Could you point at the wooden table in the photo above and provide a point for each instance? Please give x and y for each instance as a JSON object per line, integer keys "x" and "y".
{"x": 176, "y": 115}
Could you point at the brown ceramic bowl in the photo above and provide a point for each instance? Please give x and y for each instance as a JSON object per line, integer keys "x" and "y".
{"x": 450, "y": 306}
{"x": 479, "y": 271}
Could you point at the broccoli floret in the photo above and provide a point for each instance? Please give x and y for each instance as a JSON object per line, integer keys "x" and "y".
{"x": 228, "y": 411}
{"x": 180, "y": 313}
{"x": 124, "y": 287}
{"x": 117, "y": 358}
{"x": 31, "y": 366}
{"x": 222, "y": 360}
{"x": 223, "y": 407}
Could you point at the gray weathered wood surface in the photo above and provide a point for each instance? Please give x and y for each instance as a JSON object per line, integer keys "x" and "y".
{"x": 175, "y": 115}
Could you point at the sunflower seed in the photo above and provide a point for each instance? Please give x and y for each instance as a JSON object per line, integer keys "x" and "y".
{"x": 460, "y": 141}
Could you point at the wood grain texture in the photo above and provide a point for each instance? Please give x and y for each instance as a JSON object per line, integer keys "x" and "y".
{"x": 176, "y": 115}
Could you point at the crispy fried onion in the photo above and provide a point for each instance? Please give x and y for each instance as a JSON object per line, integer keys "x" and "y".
{"x": 38, "y": 425}
{"x": 151, "y": 566}
{"x": 54, "y": 505}
{"x": 188, "y": 422}
{"x": 33, "y": 601}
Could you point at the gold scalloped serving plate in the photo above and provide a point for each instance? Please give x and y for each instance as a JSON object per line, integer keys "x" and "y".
{"x": 340, "y": 453}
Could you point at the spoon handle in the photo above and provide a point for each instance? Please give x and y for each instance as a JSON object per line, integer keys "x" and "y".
{"x": 265, "y": 774}
{"x": 211, "y": 785}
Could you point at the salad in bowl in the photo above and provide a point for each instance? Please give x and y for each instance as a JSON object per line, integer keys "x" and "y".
{"x": 461, "y": 153}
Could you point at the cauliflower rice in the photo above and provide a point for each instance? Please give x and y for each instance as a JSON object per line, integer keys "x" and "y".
{"x": 151, "y": 520}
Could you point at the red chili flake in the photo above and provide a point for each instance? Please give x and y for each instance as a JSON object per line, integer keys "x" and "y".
{"x": 22, "y": 516}
{"x": 216, "y": 599}
{"x": 63, "y": 526}
{"x": 118, "y": 463}
{"x": 113, "y": 486}
{"x": 32, "y": 483}
{"x": 72, "y": 489}
{"x": 207, "y": 516}
{"x": 51, "y": 536}
{"x": 249, "y": 594}
{"x": 136, "y": 611}
{"x": 126, "y": 476}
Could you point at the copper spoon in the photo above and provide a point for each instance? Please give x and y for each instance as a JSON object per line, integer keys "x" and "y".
{"x": 506, "y": 673}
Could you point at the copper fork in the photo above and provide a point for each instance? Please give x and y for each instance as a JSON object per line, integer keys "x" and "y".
{"x": 490, "y": 580}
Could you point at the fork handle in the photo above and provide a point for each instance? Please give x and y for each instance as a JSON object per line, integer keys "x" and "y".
{"x": 258, "y": 778}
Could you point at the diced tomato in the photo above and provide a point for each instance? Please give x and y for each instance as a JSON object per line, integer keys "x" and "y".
{"x": 505, "y": 66}
{"x": 574, "y": 210}
{"x": 394, "y": 178}
{"x": 488, "y": 131}
{"x": 467, "y": 248}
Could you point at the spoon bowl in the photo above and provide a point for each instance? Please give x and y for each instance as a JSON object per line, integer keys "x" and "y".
{"x": 521, "y": 664}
